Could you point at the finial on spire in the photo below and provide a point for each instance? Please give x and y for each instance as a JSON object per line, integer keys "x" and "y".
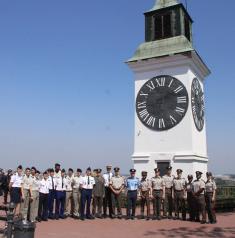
{"x": 164, "y": 3}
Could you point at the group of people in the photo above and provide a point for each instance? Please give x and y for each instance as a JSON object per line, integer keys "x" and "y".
{"x": 57, "y": 194}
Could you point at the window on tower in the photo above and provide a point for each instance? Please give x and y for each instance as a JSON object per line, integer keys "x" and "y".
{"x": 187, "y": 29}
{"x": 163, "y": 27}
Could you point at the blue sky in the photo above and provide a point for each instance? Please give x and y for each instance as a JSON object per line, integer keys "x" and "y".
{"x": 66, "y": 94}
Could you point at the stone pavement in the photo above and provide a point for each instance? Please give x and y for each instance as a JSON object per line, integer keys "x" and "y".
{"x": 108, "y": 228}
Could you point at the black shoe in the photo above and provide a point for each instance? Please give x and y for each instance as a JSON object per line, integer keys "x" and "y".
{"x": 62, "y": 217}
{"x": 82, "y": 218}
{"x": 39, "y": 219}
{"x": 213, "y": 222}
{"x": 203, "y": 222}
{"x": 119, "y": 217}
{"x": 132, "y": 217}
{"x": 51, "y": 217}
{"x": 159, "y": 218}
{"x": 104, "y": 216}
{"x": 142, "y": 217}
{"x": 154, "y": 218}
{"x": 169, "y": 217}
{"x": 147, "y": 218}
{"x": 44, "y": 219}
{"x": 164, "y": 217}
{"x": 128, "y": 217}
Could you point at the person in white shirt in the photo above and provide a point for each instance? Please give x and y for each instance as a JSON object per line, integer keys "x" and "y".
{"x": 52, "y": 194}
{"x": 43, "y": 198}
{"x": 69, "y": 193}
{"x": 76, "y": 181}
{"x": 15, "y": 188}
{"x": 87, "y": 183}
{"x": 108, "y": 192}
{"x": 60, "y": 195}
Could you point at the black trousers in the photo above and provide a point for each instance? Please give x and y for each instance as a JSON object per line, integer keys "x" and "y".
{"x": 107, "y": 201}
{"x": 131, "y": 203}
{"x": 43, "y": 206}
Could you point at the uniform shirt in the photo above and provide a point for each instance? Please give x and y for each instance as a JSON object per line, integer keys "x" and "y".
{"x": 60, "y": 184}
{"x": 51, "y": 182}
{"x": 35, "y": 183}
{"x": 117, "y": 182}
{"x": 210, "y": 186}
{"x": 68, "y": 183}
{"x": 87, "y": 182}
{"x": 197, "y": 185}
{"x": 157, "y": 183}
{"x": 189, "y": 187}
{"x": 132, "y": 183}
{"x": 179, "y": 184}
{"x": 107, "y": 178}
{"x": 16, "y": 180}
{"x": 44, "y": 186}
{"x": 57, "y": 175}
{"x": 27, "y": 182}
{"x": 168, "y": 180}
{"x": 76, "y": 181}
{"x": 99, "y": 190}
{"x": 145, "y": 185}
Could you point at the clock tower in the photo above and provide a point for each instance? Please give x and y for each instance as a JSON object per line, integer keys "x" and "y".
{"x": 169, "y": 94}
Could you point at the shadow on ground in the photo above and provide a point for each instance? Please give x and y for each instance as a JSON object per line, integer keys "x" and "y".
{"x": 186, "y": 232}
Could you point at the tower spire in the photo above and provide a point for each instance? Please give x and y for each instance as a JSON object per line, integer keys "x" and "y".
{"x": 164, "y": 3}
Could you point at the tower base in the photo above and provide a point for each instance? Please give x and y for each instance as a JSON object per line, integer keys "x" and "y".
{"x": 188, "y": 163}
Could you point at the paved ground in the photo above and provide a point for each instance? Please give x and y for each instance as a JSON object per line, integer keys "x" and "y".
{"x": 136, "y": 229}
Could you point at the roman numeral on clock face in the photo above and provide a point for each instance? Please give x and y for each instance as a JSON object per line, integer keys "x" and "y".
{"x": 151, "y": 121}
{"x": 180, "y": 110}
{"x": 161, "y": 82}
{"x": 177, "y": 90}
{"x": 161, "y": 123}
{"x": 182, "y": 99}
{"x": 144, "y": 114}
{"x": 141, "y": 105}
{"x": 150, "y": 85}
{"x": 173, "y": 120}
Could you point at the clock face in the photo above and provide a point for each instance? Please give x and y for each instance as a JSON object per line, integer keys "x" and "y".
{"x": 198, "y": 104}
{"x": 162, "y": 103}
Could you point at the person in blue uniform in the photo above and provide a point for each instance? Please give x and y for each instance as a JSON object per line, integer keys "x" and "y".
{"x": 87, "y": 184}
{"x": 132, "y": 185}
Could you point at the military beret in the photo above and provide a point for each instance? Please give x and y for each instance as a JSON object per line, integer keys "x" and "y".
{"x": 199, "y": 172}
{"x": 33, "y": 168}
{"x": 169, "y": 168}
{"x": 52, "y": 170}
{"x": 70, "y": 170}
{"x": 109, "y": 166}
{"x": 179, "y": 171}
{"x": 79, "y": 170}
{"x": 88, "y": 169}
{"x": 116, "y": 169}
{"x": 57, "y": 165}
{"x": 63, "y": 171}
{"x": 144, "y": 173}
{"x": 157, "y": 170}
{"x": 20, "y": 167}
{"x": 99, "y": 170}
{"x": 95, "y": 170}
{"x": 132, "y": 170}
{"x": 209, "y": 174}
{"x": 45, "y": 172}
{"x": 38, "y": 172}
{"x": 190, "y": 176}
